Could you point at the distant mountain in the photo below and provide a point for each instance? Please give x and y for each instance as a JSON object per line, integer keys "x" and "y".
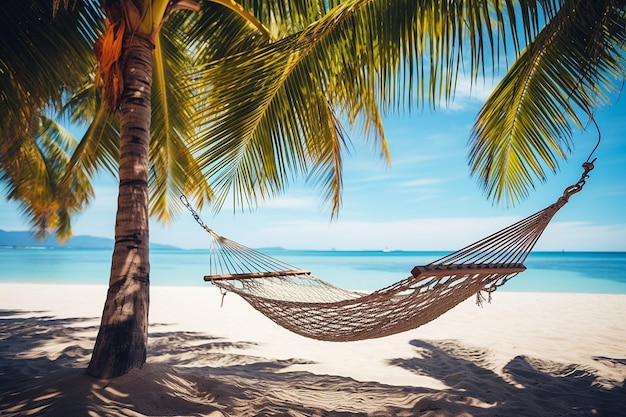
{"x": 26, "y": 239}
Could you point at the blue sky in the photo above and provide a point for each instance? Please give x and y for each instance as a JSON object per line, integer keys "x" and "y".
{"x": 424, "y": 200}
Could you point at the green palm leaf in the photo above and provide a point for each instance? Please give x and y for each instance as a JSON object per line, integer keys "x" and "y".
{"x": 173, "y": 168}
{"x": 571, "y": 68}
{"x": 41, "y": 58}
{"x": 281, "y": 108}
{"x": 248, "y": 101}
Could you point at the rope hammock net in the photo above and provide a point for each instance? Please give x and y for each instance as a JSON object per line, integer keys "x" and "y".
{"x": 308, "y": 306}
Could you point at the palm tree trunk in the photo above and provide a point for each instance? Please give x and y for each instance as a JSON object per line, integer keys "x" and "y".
{"x": 122, "y": 340}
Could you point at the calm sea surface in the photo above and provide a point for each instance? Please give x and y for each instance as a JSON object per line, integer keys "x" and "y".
{"x": 581, "y": 272}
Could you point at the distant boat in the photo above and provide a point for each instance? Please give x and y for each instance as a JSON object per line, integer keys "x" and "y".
{"x": 387, "y": 249}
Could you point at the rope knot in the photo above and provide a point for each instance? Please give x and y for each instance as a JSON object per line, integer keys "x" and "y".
{"x": 588, "y": 166}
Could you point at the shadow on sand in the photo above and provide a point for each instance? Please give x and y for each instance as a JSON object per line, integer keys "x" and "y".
{"x": 526, "y": 386}
{"x": 42, "y": 363}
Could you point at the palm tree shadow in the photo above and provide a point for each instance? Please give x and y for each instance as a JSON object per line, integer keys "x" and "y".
{"x": 526, "y": 386}
{"x": 43, "y": 361}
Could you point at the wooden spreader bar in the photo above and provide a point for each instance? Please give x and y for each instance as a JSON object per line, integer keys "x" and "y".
{"x": 253, "y": 275}
{"x": 467, "y": 269}
{"x": 431, "y": 270}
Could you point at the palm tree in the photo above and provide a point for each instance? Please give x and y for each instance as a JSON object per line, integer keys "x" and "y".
{"x": 233, "y": 99}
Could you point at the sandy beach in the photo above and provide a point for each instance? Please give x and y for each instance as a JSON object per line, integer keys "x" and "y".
{"x": 524, "y": 354}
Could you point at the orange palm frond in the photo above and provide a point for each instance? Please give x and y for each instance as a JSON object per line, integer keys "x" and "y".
{"x": 108, "y": 50}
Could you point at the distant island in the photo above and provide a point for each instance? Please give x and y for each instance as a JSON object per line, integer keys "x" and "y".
{"x": 26, "y": 239}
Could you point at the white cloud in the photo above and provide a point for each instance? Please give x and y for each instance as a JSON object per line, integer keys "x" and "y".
{"x": 422, "y": 182}
{"x": 470, "y": 93}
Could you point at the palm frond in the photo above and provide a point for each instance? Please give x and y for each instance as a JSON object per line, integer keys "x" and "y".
{"x": 33, "y": 180}
{"x": 248, "y": 101}
{"x": 98, "y": 149}
{"x": 173, "y": 168}
{"x": 216, "y": 32}
{"x": 526, "y": 126}
{"x": 280, "y": 107}
{"x": 41, "y": 58}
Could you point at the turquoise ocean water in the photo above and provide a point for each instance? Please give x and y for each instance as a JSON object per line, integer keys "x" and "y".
{"x": 579, "y": 272}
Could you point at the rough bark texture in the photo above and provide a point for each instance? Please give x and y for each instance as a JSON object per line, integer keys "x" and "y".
{"x": 122, "y": 340}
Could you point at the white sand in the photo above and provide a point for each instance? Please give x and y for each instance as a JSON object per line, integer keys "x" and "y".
{"x": 522, "y": 355}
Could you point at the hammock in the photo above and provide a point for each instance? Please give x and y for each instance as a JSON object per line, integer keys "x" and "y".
{"x": 308, "y": 306}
